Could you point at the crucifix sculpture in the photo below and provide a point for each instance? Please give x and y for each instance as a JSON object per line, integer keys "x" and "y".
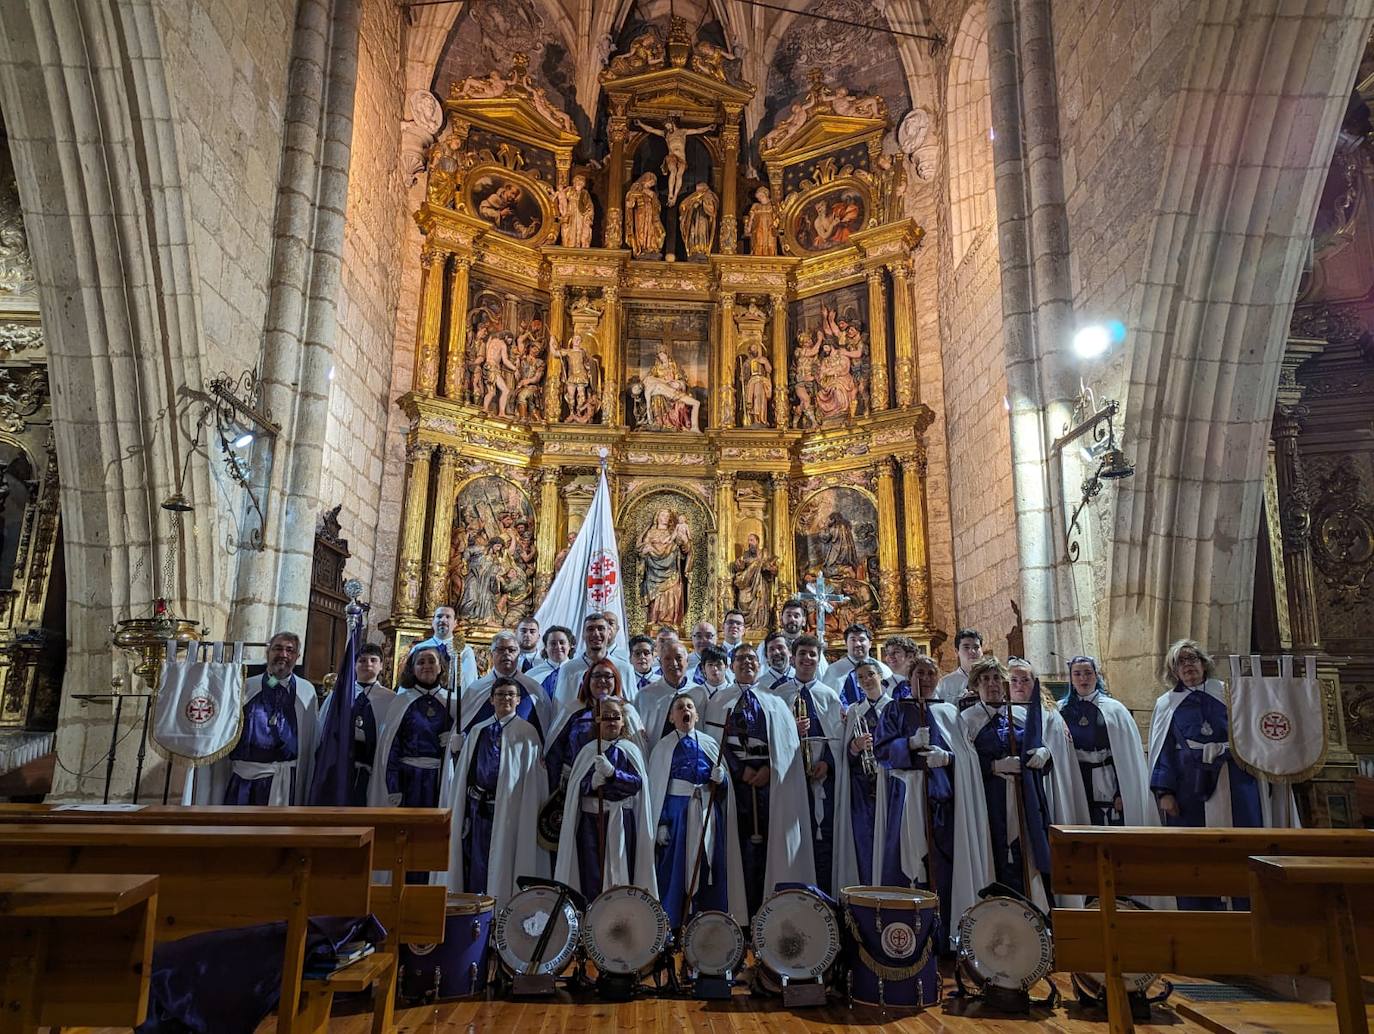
{"x": 823, "y": 600}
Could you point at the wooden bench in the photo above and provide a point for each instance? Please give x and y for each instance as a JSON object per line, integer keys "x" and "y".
{"x": 376, "y": 971}
{"x": 403, "y": 840}
{"x": 216, "y": 877}
{"x": 1115, "y": 862}
{"x": 75, "y": 950}
{"x": 1316, "y": 916}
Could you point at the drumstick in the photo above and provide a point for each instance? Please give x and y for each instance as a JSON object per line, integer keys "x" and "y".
{"x": 1020, "y": 809}
{"x": 600, "y": 800}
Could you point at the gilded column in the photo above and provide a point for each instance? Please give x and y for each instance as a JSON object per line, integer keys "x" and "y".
{"x": 431, "y": 312}
{"x": 904, "y": 335}
{"x": 725, "y": 541}
{"x": 455, "y": 352}
{"x": 725, "y": 367}
{"x": 877, "y": 337}
{"x": 553, "y": 368}
{"x": 409, "y": 571}
{"x": 1295, "y": 520}
{"x": 781, "y": 395}
{"x": 610, "y": 350}
{"x": 889, "y": 568}
{"x": 917, "y": 562}
{"x": 782, "y": 544}
{"x": 441, "y": 530}
{"x": 617, "y": 128}
{"x": 729, "y": 205}
{"x": 546, "y": 534}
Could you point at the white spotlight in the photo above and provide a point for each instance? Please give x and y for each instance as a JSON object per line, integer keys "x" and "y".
{"x": 1092, "y": 341}
{"x": 243, "y": 440}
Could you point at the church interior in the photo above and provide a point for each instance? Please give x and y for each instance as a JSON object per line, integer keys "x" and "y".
{"x": 1045, "y": 323}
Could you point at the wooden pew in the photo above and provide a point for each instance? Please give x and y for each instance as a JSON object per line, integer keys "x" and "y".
{"x": 404, "y": 839}
{"x": 1115, "y": 862}
{"x": 215, "y": 877}
{"x": 1316, "y": 916}
{"x": 75, "y": 950}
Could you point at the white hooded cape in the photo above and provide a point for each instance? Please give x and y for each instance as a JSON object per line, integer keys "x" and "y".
{"x": 479, "y": 693}
{"x": 567, "y": 870}
{"x": 652, "y": 705}
{"x": 388, "y": 724}
{"x": 565, "y": 703}
{"x": 660, "y": 764}
{"x": 520, "y": 790}
{"x": 836, "y": 673}
{"x": 831, "y": 714}
{"x": 972, "y": 867}
{"x": 846, "y": 860}
{"x": 1128, "y": 758}
{"x": 789, "y": 830}
{"x": 206, "y": 785}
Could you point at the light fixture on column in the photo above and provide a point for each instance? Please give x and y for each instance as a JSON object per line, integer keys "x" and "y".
{"x": 1098, "y": 422}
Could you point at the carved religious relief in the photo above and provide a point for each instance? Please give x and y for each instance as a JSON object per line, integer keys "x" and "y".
{"x": 753, "y": 577}
{"x": 492, "y": 554}
{"x": 505, "y": 353}
{"x": 643, "y": 218}
{"x": 667, "y": 359}
{"x": 1342, "y": 532}
{"x": 675, "y": 163}
{"x": 644, "y": 53}
{"x": 831, "y": 365}
{"x": 837, "y": 533}
{"x": 665, "y": 552}
{"x": 575, "y": 213}
{"x": 754, "y": 370}
{"x": 697, "y": 219}
{"x": 583, "y": 371}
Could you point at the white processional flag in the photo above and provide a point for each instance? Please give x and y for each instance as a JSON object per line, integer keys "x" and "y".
{"x": 1278, "y": 722}
{"x": 590, "y": 578}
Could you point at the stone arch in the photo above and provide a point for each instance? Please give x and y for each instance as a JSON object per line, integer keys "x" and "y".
{"x": 968, "y": 121}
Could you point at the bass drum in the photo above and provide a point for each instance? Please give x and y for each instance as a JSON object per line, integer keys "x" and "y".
{"x": 458, "y": 966}
{"x": 796, "y": 936}
{"x": 626, "y": 930}
{"x": 1090, "y": 987}
{"x": 1005, "y": 943}
{"x": 713, "y": 944}
{"x": 522, "y": 923}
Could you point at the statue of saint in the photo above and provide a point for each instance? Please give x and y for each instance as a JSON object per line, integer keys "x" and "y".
{"x": 761, "y": 224}
{"x": 697, "y": 218}
{"x": 749, "y": 576}
{"x": 643, "y": 223}
{"x": 666, "y": 549}
{"x": 580, "y": 374}
{"x": 575, "y": 212}
{"x": 675, "y": 164}
{"x": 756, "y": 387}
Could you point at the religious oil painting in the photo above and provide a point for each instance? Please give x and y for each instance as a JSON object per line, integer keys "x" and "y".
{"x": 508, "y": 204}
{"x": 667, "y": 359}
{"x": 491, "y": 562}
{"x": 506, "y": 352}
{"x": 826, "y": 221}
{"x": 831, "y": 360}
{"x": 665, "y": 538}
{"x": 837, "y": 532}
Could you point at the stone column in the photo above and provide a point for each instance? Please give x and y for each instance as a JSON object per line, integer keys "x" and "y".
{"x": 725, "y": 541}
{"x": 877, "y": 338}
{"x": 781, "y": 401}
{"x": 725, "y": 365}
{"x": 889, "y": 576}
{"x": 546, "y": 534}
{"x": 729, "y": 204}
{"x": 904, "y": 336}
{"x": 782, "y": 544}
{"x": 455, "y": 351}
{"x": 441, "y": 530}
{"x": 914, "y": 523}
{"x": 409, "y": 572}
{"x": 610, "y": 352}
{"x": 1295, "y": 521}
{"x": 427, "y": 329}
{"x": 617, "y": 129}
{"x": 553, "y": 368}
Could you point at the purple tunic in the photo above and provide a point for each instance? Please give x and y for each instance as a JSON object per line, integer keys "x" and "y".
{"x": 480, "y": 807}
{"x": 624, "y": 783}
{"x": 269, "y": 736}
{"x": 425, "y": 720}
{"x": 745, "y": 748}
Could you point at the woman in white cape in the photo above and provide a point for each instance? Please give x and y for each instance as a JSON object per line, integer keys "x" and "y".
{"x": 1115, "y": 781}
{"x": 494, "y": 795}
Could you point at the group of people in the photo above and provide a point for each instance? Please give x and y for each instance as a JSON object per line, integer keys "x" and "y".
{"x": 708, "y": 776}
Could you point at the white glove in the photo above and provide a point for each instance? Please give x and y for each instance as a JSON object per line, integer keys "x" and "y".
{"x": 603, "y": 767}
{"x": 393, "y": 800}
{"x": 662, "y": 836}
{"x": 937, "y": 758}
{"x": 1212, "y": 751}
{"x": 445, "y": 738}
{"x": 1039, "y": 758}
{"x": 920, "y": 739}
{"x": 455, "y": 743}
{"x": 718, "y": 775}
{"x": 1007, "y": 766}
{"x": 598, "y": 779}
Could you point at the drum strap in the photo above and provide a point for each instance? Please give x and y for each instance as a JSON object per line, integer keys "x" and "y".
{"x": 891, "y": 974}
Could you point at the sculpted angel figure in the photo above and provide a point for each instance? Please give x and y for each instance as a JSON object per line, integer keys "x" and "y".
{"x": 709, "y": 59}
{"x": 575, "y": 212}
{"x": 643, "y": 223}
{"x": 675, "y": 164}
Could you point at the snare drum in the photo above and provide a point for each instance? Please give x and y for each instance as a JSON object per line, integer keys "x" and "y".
{"x": 713, "y": 945}
{"x": 458, "y": 966}
{"x": 796, "y": 936}
{"x": 625, "y": 931}
{"x": 890, "y": 946}
{"x": 1005, "y": 943}
{"x": 520, "y": 925}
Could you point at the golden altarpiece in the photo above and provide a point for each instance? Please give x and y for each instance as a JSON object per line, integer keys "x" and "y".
{"x": 743, "y": 349}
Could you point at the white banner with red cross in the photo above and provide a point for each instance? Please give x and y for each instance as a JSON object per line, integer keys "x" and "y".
{"x": 199, "y": 706}
{"x": 1278, "y": 722}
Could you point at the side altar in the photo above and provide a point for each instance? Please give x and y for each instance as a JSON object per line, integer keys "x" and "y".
{"x": 743, "y": 347}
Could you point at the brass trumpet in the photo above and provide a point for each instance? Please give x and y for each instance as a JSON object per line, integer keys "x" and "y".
{"x": 799, "y": 710}
{"x": 868, "y": 761}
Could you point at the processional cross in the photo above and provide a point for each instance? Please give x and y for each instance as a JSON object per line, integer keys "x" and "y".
{"x": 823, "y": 600}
